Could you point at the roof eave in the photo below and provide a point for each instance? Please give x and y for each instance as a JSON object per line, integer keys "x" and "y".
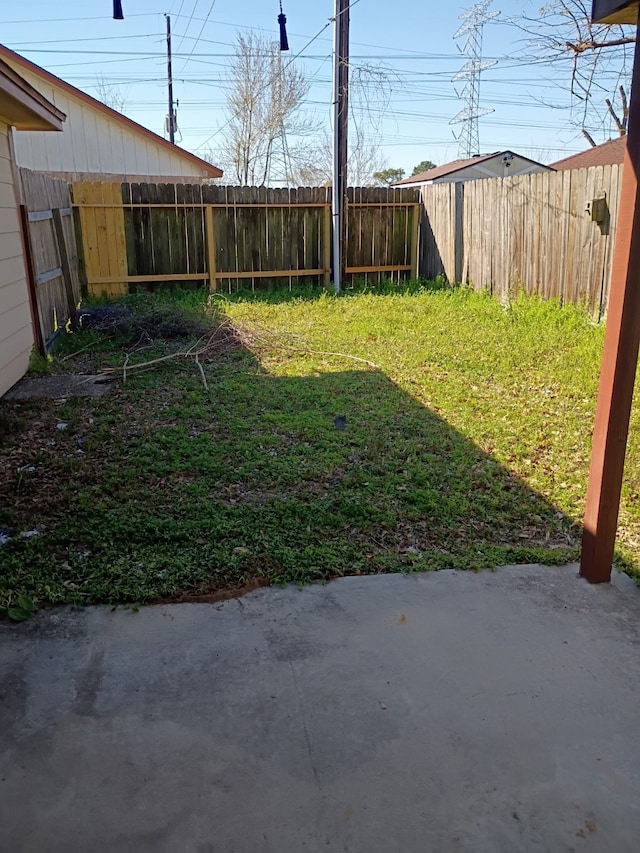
{"x": 24, "y": 107}
{"x": 213, "y": 171}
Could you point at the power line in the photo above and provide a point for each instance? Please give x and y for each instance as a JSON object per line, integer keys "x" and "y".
{"x": 88, "y": 38}
{"x": 186, "y": 29}
{"x": 195, "y": 44}
{"x": 269, "y": 82}
{"x": 177, "y": 15}
{"x": 75, "y": 18}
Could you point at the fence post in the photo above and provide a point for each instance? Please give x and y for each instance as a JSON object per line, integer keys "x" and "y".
{"x": 211, "y": 247}
{"x": 63, "y": 254}
{"x": 415, "y": 229}
{"x": 326, "y": 246}
{"x": 619, "y": 363}
{"x": 458, "y": 234}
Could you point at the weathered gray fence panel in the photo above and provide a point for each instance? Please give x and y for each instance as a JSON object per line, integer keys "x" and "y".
{"x": 529, "y": 233}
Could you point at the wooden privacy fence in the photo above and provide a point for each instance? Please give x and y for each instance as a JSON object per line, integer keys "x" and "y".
{"x": 52, "y": 261}
{"x": 231, "y": 236}
{"x": 549, "y": 233}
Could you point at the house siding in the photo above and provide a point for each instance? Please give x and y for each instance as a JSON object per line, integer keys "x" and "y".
{"x": 16, "y": 332}
{"x": 93, "y": 143}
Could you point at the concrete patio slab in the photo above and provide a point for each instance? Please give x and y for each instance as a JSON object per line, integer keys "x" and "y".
{"x": 444, "y": 712}
{"x": 59, "y": 387}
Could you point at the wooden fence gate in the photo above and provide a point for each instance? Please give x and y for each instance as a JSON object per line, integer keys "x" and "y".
{"x": 233, "y": 236}
{"x": 52, "y": 258}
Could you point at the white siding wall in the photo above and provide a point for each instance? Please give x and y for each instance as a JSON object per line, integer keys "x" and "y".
{"x": 16, "y": 333}
{"x": 92, "y": 141}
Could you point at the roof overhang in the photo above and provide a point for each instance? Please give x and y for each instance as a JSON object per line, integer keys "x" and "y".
{"x": 24, "y": 107}
{"x": 615, "y": 11}
{"x": 209, "y": 169}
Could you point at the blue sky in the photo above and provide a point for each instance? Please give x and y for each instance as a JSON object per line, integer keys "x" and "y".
{"x": 411, "y": 40}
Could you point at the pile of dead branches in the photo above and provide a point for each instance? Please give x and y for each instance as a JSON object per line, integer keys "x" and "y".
{"x": 206, "y": 349}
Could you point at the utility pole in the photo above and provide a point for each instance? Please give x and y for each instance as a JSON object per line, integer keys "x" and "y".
{"x": 340, "y": 128}
{"x": 171, "y": 119}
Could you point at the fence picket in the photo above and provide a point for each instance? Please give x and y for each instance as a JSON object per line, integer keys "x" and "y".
{"x": 529, "y": 232}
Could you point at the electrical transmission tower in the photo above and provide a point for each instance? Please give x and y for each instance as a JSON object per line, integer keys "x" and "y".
{"x": 473, "y": 21}
{"x": 278, "y": 155}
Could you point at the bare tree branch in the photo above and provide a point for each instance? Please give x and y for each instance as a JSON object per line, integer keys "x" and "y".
{"x": 264, "y": 100}
{"x": 591, "y": 58}
{"x": 110, "y": 95}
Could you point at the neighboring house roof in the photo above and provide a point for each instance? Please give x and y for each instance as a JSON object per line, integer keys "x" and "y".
{"x": 24, "y": 107}
{"x": 607, "y": 154}
{"x": 6, "y": 53}
{"x": 457, "y": 166}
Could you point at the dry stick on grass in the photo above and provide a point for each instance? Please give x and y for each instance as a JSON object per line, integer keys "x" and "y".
{"x": 331, "y": 354}
{"x": 192, "y": 352}
{"x": 248, "y": 337}
{"x": 204, "y": 378}
{"x": 77, "y": 352}
{"x": 304, "y": 349}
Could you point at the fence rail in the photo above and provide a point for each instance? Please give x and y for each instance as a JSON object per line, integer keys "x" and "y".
{"x": 148, "y": 233}
{"x": 549, "y": 233}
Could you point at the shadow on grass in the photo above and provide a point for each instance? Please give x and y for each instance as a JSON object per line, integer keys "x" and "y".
{"x": 178, "y": 490}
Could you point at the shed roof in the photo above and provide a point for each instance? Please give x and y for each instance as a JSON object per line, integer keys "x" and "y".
{"x": 457, "y": 166}
{"x": 606, "y": 154}
{"x": 7, "y": 54}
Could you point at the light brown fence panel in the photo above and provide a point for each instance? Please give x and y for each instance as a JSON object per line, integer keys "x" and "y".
{"x": 235, "y": 237}
{"x": 103, "y": 236}
{"x": 530, "y": 233}
{"x": 53, "y": 258}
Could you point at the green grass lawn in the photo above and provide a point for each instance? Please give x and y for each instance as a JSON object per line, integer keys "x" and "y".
{"x": 459, "y": 440}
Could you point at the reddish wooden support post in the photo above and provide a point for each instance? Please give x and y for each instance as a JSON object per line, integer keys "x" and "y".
{"x": 619, "y": 362}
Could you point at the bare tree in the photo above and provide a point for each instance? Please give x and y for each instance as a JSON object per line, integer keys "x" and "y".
{"x": 594, "y": 59}
{"x": 266, "y": 125}
{"x": 370, "y": 92}
{"x": 269, "y": 138}
{"x": 110, "y": 95}
{"x": 363, "y": 160}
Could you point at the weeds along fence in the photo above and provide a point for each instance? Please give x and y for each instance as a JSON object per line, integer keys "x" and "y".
{"x": 548, "y": 233}
{"x": 231, "y": 237}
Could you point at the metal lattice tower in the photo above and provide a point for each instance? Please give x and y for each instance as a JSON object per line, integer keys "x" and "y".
{"x": 473, "y": 20}
{"x": 280, "y": 155}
